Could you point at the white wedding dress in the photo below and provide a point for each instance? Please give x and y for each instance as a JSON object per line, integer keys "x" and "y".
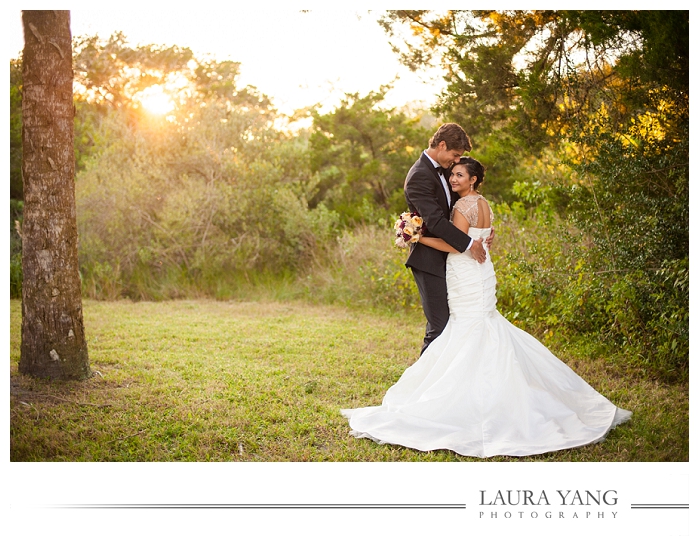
{"x": 485, "y": 387}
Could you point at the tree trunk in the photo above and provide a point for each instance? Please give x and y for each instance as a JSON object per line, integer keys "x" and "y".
{"x": 53, "y": 337}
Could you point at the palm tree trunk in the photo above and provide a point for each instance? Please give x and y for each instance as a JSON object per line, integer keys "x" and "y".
{"x": 53, "y": 337}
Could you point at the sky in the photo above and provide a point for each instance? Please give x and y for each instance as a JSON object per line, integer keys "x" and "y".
{"x": 299, "y": 58}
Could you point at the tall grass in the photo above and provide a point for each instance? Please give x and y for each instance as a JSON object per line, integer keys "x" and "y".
{"x": 362, "y": 268}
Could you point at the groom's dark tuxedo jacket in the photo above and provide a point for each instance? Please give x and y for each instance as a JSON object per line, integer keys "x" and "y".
{"x": 425, "y": 194}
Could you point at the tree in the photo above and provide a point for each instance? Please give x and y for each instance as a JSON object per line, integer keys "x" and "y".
{"x": 361, "y": 153}
{"x": 53, "y": 337}
{"x": 520, "y": 81}
{"x": 190, "y": 200}
{"x": 605, "y": 96}
{"x": 539, "y": 74}
{"x": 112, "y": 72}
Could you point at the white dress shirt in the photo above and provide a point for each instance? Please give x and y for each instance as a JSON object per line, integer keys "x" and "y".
{"x": 441, "y": 177}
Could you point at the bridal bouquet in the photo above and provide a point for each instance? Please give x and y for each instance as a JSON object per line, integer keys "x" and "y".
{"x": 408, "y": 229}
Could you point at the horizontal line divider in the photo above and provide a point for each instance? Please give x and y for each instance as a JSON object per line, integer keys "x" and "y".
{"x": 659, "y": 506}
{"x": 259, "y": 506}
{"x": 308, "y": 506}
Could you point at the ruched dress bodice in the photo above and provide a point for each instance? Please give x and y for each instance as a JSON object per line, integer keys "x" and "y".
{"x": 470, "y": 285}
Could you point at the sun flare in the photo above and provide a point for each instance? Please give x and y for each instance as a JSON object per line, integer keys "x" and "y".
{"x": 156, "y": 100}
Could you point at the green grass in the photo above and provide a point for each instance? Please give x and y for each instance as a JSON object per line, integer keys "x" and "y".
{"x": 264, "y": 381}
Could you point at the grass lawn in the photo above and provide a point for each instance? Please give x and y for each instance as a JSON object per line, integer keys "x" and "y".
{"x": 264, "y": 381}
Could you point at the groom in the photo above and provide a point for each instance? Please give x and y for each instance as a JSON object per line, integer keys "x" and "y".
{"x": 428, "y": 192}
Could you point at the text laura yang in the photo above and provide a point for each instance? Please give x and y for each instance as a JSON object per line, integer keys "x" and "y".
{"x": 556, "y": 497}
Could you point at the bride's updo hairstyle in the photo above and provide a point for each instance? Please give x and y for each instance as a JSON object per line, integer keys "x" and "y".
{"x": 474, "y": 168}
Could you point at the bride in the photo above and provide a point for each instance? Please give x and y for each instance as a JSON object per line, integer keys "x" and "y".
{"x": 484, "y": 387}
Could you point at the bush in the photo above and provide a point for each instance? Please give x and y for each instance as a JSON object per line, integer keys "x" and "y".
{"x": 162, "y": 216}
{"x": 555, "y": 278}
{"x": 362, "y": 267}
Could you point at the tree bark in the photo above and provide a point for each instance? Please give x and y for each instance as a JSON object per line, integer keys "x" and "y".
{"x": 53, "y": 337}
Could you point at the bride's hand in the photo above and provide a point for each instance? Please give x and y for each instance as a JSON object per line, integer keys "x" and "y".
{"x": 477, "y": 250}
{"x": 489, "y": 239}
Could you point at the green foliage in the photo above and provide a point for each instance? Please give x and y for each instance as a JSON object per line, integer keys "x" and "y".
{"x": 624, "y": 286}
{"x": 537, "y": 74}
{"x": 111, "y": 72}
{"x": 181, "y": 213}
{"x": 523, "y": 81}
{"x": 635, "y": 207}
{"x": 530, "y": 267}
{"x": 188, "y": 203}
{"x": 361, "y": 153}
{"x": 661, "y": 57}
{"x": 16, "y": 184}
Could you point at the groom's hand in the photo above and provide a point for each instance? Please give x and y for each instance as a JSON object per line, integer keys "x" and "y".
{"x": 477, "y": 250}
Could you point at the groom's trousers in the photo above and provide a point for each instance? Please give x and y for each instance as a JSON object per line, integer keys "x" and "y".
{"x": 433, "y": 296}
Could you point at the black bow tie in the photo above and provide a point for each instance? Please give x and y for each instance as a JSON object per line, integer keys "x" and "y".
{"x": 441, "y": 170}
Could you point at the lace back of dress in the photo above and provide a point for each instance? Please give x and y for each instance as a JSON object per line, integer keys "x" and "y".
{"x": 468, "y": 206}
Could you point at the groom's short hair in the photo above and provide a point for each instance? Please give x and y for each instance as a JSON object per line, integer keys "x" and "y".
{"x": 454, "y": 137}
